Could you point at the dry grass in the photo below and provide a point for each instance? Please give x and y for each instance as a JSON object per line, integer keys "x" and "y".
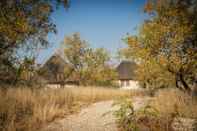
{"x": 174, "y": 101}
{"x": 160, "y": 113}
{"x": 95, "y": 94}
{"x": 25, "y": 109}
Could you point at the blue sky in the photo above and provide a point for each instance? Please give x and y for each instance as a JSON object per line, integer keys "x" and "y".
{"x": 102, "y": 23}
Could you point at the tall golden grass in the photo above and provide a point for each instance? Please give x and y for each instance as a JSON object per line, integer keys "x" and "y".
{"x": 174, "y": 101}
{"x": 95, "y": 94}
{"x": 166, "y": 106}
{"x": 24, "y": 109}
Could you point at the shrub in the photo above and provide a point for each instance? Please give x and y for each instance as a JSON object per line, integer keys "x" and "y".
{"x": 144, "y": 119}
{"x": 125, "y": 114}
{"x": 159, "y": 114}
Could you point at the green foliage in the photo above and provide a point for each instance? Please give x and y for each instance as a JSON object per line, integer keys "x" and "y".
{"x": 147, "y": 118}
{"x": 24, "y": 24}
{"x": 89, "y": 66}
{"x": 125, "y": 115}
{"x": 166, "y": 45}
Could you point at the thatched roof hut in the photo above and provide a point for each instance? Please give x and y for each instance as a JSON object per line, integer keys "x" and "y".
{"x": 53, "y": 69}
{"x": 126, "y": 70}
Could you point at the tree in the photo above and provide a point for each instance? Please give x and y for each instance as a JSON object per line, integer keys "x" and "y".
{"x": 91, "y": 66}
{"x": 23, "y": 24}
{"x": 26, "y": 70}
{"x": 166, "y": 44}
{"x": 75, "y": 51}
{"x": 98, "y": 69}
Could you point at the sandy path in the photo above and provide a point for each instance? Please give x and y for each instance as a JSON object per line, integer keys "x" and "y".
{"x": 97, "y": 117}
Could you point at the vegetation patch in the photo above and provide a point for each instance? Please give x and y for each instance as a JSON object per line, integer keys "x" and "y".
{"x": 160, "y": 114}
{"x": 27, "y": 109}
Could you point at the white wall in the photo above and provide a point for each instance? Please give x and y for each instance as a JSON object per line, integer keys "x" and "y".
{"x": 53, "y": 86}
{"x": 56, "y": 86}
{"x": 132, "y": 84}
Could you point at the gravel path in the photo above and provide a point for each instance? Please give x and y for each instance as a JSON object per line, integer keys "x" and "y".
{"x": 97, "y": 117}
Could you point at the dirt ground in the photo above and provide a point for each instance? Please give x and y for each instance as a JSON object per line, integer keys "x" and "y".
{"x": 97, "y": 117}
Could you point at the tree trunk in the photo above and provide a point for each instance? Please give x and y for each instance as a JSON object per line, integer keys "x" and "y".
{"x": 177, "y": 82}
{"x": 184, "y": 83}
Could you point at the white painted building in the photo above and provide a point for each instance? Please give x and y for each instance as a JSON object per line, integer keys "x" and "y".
{"x": 129, "y": 84}
{"x": 126, "y": 75}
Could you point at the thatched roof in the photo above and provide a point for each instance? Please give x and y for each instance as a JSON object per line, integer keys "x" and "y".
{"x": 126, "y": 70}
{"x": 54, "y": 71}
{"x": 54, "y": 65}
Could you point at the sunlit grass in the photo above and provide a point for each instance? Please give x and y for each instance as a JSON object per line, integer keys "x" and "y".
{"x": 25, "y": 109}
{"x": 168, "y": 101}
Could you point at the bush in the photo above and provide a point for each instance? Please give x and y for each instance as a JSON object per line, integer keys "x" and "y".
{"x": 159, "y": 114}
{"x": 125, "y": 115}
{"x": 145, "y": 119}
